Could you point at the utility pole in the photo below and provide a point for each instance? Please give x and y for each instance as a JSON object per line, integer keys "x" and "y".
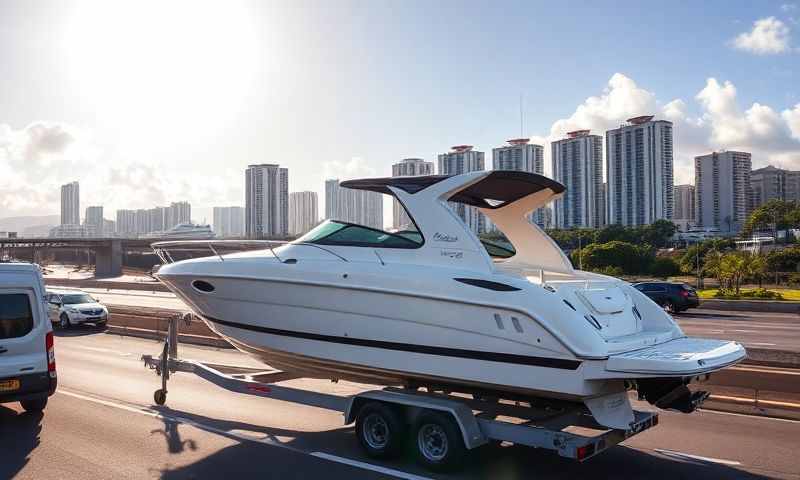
{"x": 697, "y": 257}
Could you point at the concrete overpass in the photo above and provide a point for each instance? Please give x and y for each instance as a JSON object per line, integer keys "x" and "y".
{"x": 107, "y": 251}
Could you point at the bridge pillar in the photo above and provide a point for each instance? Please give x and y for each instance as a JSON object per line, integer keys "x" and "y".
{"x": 108, "y": 259}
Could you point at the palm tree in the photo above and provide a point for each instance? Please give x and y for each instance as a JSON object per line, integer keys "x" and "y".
{"x": 759, "y": 268}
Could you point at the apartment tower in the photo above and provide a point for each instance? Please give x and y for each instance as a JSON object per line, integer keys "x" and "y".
{"x": 639, "y": 169}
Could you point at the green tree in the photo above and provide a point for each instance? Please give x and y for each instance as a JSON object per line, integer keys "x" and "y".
{"x": 695, "y": 255}
{"x": 627, "y": 257}
{"x": 758, "y": 268}
{"x": 774, "y": 215}
{"x": 664, "y": 267}
{"x": 658, "y": 233}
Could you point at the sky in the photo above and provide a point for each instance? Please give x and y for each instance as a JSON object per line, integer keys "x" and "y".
{"x": 148, "y": 102}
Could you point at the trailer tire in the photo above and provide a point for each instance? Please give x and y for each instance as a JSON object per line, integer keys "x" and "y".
{"x": 380, "y": 430}
{"x": 439, "y": 444}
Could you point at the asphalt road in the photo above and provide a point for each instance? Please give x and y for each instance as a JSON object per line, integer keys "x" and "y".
{"x": 780, "y": 331}
{"x": 102, "y": 424}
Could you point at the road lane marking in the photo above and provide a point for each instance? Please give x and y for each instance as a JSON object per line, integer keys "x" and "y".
{"x": 775, "y": 371}
{"x": 672, "y": 453}
{"x": 754, "y": 417}
{"x": 774, "y": 403}
{"x": 743, "y": 331}
{"x": 242, "y": 436}
{"x": 104, "y": 350}
{"x": 762, "y": 344}
{"x": 368, "y": 466}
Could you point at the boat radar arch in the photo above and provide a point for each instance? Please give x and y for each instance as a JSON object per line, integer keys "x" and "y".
{"x": 506, "y": 197}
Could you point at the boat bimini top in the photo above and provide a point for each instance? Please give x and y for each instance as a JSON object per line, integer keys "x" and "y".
{"x": 505, "y": 197}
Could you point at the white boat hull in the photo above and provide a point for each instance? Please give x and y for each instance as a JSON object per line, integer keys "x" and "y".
{"x": 364, "y": 336}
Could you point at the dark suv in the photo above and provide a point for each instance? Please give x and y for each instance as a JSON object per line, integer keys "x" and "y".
{"x": 673, "y": 297}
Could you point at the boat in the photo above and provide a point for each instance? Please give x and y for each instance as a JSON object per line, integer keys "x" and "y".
{"x": 434, "y": 306}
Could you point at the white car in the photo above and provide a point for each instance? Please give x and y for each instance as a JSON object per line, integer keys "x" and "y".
{"x": 27, "y": 354}
{"x": 69, "y": 308}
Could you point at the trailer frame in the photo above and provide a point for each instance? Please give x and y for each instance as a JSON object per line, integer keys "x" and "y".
{"x": 548, "y": 425}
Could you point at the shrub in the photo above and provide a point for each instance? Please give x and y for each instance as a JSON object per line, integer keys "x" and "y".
{"x": 664, "y": 267}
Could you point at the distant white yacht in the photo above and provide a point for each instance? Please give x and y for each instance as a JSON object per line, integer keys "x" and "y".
{"x": 184, "y": 231}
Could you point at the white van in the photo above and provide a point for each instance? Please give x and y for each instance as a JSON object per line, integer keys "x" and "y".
{"x": 27, "y": 356}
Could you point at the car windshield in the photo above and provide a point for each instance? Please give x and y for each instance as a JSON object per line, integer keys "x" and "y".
{"x": 334, "y": 232}
{"x": 76, "y": 298}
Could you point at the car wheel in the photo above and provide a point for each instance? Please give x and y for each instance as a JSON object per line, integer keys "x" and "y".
{"x": 64, "y": 321}
{"x": 34, "y": 405}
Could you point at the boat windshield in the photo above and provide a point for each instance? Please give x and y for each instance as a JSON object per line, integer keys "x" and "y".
{"x": 334, "y": 232}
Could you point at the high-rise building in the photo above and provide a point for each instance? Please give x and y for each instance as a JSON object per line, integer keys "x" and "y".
{"x": 463, "y": 159}
{"x": 229, "y": 222}
{"x": 639, "y": 170}
{"x": 683, "y": 214}
{"x": 266, "y": 201}
{"x": 354, "y": 206}
{"x": 406, "y": 168}
{"x": 93, "y": 220}
{"x": 332, "y": 198}
{"x": 142, "y": 221}
{"x": 70, "y": 204}
{"x": 126, "y": 223}
{"x": 176, "y": 214}
{"x": 722, "y": 189}
{"x": 771, "y": 183}
{"x": 303, "y": 215}
{"x": 522, "y": 156}
{"x": 158, "y": 220}
{"x": 109, "y": 228}
{"x": 578, "y": 165}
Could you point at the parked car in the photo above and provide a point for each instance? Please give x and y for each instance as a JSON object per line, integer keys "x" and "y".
{"x": 73, "y": 307}
{"x": 27, "y": 354}
{"x": 673, "y": 297}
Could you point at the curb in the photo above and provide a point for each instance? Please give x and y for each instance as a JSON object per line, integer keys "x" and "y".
{"x": 747, "y": 406}
{"x": 106, "y": 284}
{"x": 772, "y": 306}
{"x": 160, "y": 336}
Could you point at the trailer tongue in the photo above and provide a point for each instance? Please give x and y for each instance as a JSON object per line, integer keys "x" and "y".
{"x": 443, "y": 426}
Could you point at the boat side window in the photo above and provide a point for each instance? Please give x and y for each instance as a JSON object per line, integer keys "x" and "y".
{"x": 16, "y": 317}
{"x": 334, "y": 232}
{"x": 498, "y": 248}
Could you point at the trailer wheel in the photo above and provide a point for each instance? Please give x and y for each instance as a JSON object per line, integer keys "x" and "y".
{"x": 440, "y": 446}
{"x": 380, "y": 430}
{"x": 160, "y": 396}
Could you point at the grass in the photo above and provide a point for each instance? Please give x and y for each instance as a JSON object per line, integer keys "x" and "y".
{"x": 786, "y": 293}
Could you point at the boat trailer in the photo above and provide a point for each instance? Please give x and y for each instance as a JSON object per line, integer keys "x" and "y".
{"x": 443, "y": 424}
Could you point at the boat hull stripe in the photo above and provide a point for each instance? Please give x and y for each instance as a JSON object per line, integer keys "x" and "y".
{"x": 546, "y": 362}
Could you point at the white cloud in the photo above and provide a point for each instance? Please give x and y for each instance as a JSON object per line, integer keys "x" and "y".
{"x": 356, "y": 167}
{"x": 36, "y": 160}
{"x": 620, "y": 100}
{"x": 789, "y": 7}
{"x": 771, "y": 137}
{"x": 792, "y": 118}
{"x": 769, "y": 36}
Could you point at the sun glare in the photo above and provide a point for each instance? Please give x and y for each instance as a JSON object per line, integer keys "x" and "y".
{"x": 187, "y": 63}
